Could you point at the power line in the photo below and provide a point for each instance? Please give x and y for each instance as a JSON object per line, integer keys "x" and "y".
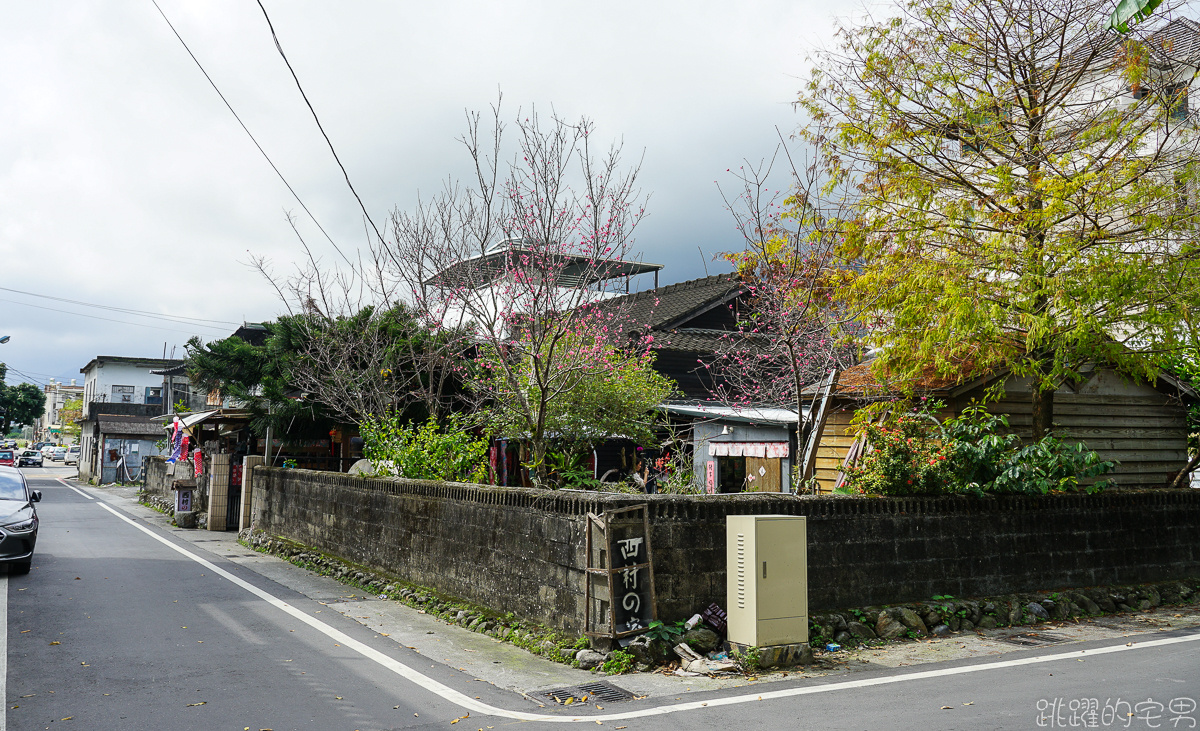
{"x": 109, "y": 319}
{"x": 267, "y": 157}
{"x": 316, "y": 119}
{"x": 25, "y": 375}
{"x": 183, "y": 319}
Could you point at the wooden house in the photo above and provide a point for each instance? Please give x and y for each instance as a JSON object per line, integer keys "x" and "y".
{"x": 1142, "y": 426}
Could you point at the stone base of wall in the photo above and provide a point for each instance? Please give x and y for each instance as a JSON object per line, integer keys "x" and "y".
{"x": 522, "y": 550}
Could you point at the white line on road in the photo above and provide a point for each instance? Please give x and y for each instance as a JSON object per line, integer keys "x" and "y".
{"x": 475, "y": 706}
{"x": 76, "y": 489}
{"x": 4, "y": 650}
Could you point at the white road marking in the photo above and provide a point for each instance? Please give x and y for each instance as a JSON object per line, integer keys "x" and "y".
{"x": 4, "y": 650}
{"x": 76, "y": 489}
{"x": 475, "y": 706}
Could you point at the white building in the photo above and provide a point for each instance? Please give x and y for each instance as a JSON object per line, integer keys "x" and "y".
{"x": 50, "y": 425}
{"x": 122, "y": 380}
{"x": 130, "y": 398}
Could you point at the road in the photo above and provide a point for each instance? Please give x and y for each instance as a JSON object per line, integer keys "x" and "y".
{"x": 124, "y": 625}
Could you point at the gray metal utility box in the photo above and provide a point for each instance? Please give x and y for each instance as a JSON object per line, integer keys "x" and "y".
{"x": 767, "y": 564}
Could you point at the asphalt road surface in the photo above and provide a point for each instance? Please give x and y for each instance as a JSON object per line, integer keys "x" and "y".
{"x": 123, "y": 625}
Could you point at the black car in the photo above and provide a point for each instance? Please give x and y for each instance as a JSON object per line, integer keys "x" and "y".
{"x": 18, "y": 520}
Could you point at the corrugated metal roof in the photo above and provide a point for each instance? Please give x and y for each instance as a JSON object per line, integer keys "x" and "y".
{"x": 132, "y": 425}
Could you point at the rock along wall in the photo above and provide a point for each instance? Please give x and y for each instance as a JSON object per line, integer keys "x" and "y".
{"x": 522, "y": 550}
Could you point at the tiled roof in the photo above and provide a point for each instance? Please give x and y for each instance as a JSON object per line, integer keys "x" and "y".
{"x": 663, "y": 306}
{"x": 696, "y": 340}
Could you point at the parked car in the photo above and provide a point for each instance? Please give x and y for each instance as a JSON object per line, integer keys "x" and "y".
{"x": 47, "y": 450}
{"x": 29, "y": 458}
{"x": 58, "y": 454}
{"x": 8, "y": 458}
{"x": 18, "y": 520}
{"x": 72, "y": 455}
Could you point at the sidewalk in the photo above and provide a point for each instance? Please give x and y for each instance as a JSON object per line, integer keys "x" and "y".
{"x": 509, "y": 667}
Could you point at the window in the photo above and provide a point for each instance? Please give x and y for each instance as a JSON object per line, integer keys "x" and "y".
{"x": 1174, "y": 97}
{"x": 154, "y": 394}
{"x": 1176, "y": 100}
{"x": 122, "y": 394}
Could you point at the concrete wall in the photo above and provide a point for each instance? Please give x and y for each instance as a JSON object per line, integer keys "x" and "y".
{"x": 522, "y": 550}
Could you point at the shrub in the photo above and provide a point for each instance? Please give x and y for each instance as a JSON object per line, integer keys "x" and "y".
{"x": 426, "y": 451}
{"x": 975, "y": 452}
{"x": 618, "y": 662}
{"x": 907, "y": 458}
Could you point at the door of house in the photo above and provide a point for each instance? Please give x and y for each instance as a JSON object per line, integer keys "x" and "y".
{"x": 766, "y": 472}
{"x": 233, "y": 505}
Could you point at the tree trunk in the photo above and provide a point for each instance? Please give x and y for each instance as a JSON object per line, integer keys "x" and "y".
{"x": 1182, "y": 478}
{"x": 1043, "y": 411}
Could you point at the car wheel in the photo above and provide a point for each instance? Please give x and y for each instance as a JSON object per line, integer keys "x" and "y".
{"x": 17, "y": 568}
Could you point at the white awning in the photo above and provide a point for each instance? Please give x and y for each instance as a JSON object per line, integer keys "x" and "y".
{"x": 751, "y": 415}
{"x": 775, "y": 450}
{"x": 191, "y": 419}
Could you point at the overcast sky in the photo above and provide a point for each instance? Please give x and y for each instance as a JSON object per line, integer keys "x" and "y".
{"x": 125, "y": 182}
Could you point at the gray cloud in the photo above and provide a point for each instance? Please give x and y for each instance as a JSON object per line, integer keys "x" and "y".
{"x": 124, "y": 180}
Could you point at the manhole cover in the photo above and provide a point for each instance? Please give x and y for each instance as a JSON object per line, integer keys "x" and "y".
{"x": 598, "y": 692}
{"x": 1033, "y": 639}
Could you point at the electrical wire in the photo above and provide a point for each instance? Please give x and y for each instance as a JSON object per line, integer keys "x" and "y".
{"x": 109, "y": 319}
{"x": 316, "y": 119}
{"x": 181, "y": 319}
{"x": 23, "y": 374}
{"x": 267, "y": 157}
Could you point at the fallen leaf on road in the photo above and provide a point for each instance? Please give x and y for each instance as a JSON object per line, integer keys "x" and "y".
{"x": 68, "y": 718}
{"x": 197, "y": 704}
{"x": 969, "y": 704}
{"x": 338, "y": 697}
{"x": 29, "y": 696}
{"x": 26, "y": 630}
{"x": 56, "y": 642}
{"x": 945, "y": 708}
{"x": 77, "y": 578}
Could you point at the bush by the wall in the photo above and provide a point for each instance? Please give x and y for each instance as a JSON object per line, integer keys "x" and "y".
{"x": 975, "y": 452}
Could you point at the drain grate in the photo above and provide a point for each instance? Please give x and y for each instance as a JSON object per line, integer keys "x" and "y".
{"x": 598, "y": 692}
{"x": 1033, "y": 639}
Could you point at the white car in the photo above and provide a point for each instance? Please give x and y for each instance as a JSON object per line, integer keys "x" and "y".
{"x": 72, "y": 456}
{"x": 58, "y": 454}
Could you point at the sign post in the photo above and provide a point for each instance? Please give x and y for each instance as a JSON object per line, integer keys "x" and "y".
{"x": 619, "y": 597}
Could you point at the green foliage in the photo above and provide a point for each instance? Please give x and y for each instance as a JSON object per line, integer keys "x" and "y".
{"x": 618, "y": 662}
{"x": 996, "y": 221}
{"x": 427, "y": 451}
{"x": 676, "y": 472}
{"x": 21, "y": 404}
{"x": 568, "y": 469}
{"x": 750, "y": 659}
{"x": 665, "y": 632}
{"x": 71, "y": 412}
{"x": 1186, "y": 366}
{"x": 258, "y": 378}
{"x": 574, "y": 391}
{"x": 1050, "y": 465}
{"x": 972, "y": 453}
{"x": 908, "y": 458}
